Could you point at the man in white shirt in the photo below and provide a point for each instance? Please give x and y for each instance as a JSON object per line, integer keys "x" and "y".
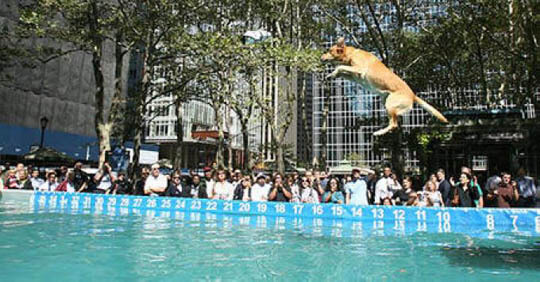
{"x": 386, "y": 186}
{"x": 156, "y": 183}
{"x": 260, "y": 190}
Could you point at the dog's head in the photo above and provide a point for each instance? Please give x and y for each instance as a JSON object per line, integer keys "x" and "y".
{"x": 336, "y": 52}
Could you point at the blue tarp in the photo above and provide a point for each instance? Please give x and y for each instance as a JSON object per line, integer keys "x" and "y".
{"x": 17, "y": 140}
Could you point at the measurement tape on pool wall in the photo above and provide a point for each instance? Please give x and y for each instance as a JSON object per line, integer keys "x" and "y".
{"x": 406, "y": 219}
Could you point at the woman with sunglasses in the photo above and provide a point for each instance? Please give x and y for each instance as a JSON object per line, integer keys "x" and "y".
{"x": 333, "y": 193}
{"x": 309, "y": 194}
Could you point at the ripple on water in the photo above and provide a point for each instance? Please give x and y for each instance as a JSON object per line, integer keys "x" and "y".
{"x": 48, "y": 245}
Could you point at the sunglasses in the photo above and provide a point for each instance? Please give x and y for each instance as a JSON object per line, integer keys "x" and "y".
{"x": 176, "y": 177}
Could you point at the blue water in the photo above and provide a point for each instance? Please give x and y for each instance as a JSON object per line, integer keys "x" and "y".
{"x": 84, "y": 247}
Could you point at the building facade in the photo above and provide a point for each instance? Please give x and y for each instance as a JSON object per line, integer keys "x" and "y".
{"x": 354, "y": 114}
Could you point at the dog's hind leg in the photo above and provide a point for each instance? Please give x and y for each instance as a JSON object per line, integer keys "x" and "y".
{"x": 396, "y": 104}
{"x": 392, "y": 124}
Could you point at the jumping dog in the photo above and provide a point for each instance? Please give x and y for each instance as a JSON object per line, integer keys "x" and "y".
{"x": 364, "y": 68}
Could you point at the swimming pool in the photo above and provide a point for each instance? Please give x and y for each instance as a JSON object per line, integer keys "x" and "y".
{"x": 60, "y": 242}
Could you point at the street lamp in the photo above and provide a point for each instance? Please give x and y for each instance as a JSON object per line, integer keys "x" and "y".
{"x": 43, "y": 121}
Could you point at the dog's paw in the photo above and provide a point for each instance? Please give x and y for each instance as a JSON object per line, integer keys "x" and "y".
{"x": 379, "y": 132}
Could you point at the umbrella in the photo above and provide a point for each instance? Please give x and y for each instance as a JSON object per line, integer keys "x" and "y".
{"x": 345, "y": 168}
{"x": 45, "y": 154}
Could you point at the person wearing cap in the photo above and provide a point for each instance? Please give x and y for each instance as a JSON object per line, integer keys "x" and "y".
{"x": 156, "y": 183}
{"x": 356, "y": 190}
{"x": 260, "y": 190}
{"x": 50, "y": 184}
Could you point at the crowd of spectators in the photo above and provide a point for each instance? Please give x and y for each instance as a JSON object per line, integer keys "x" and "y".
{"x": 360, "y": 187}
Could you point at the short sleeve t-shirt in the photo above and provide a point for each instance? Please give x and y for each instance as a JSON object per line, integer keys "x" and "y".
{"x": 358, "y": 191}
{"x": 280, "y": 196}
{"x": 260, "y": 193}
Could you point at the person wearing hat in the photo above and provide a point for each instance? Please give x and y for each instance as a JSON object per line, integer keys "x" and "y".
{"x": 356, "y": 190}
{"x": 260, "y": 190}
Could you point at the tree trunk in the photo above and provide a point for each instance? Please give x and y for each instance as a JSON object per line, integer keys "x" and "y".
{"x": 116, "y": 116}
{"x": 306, "y": 155}
{"x": 221, "y": 136}
{"x": 178, "y": 157}
{"x": 324, "y": 125}
{"x": 102, "y": 130}
{"x": 230, "y": 139}
{"x": 280, "y": 158}
{"x": 245, "y": 145}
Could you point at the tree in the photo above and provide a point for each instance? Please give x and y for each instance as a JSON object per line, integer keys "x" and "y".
{"x": 87, "y": 26}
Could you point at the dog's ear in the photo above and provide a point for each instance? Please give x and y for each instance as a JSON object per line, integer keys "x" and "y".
{"x": 341, "y": 42}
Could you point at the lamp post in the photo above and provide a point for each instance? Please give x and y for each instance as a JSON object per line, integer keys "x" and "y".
{"x": 43, "y": 121}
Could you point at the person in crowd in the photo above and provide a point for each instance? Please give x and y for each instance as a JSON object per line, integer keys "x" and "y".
{"x": 371, "y": 184}
{"x": 176, "y": 188}
{"x": 324, "y": 179}
{"x": 473, "y": 184}
{"x": 432, "y": 178}
{"x": 1, "y": 177}
{"x": 462, "y": 194}
{"x": 279, "y": 192}
{"x": 413, "y": 200}
{"x": 138, "y": 188}
{"x": 24, "y": 181}
{"x": 156, "y": 183}
{"x": 106, "y": 181}
{"x": 62, "y": 173}
{"x": 243, "y": 189}
{"x": 386, "y": 186}
{"x": 36, "y": 180}
{"x": 81, "y": 178}
{"x": 401, "y": 197}
{"x": 68, "y": 185}
{"x": 122, "y": 185}
{"x": 222, "y": 189}
{"x": 209, "y": 178}
{"x": 50, "y": 184}
{"x": 333, "y": 195}
{"x": 260, "y": 190}
{"x": 387, "y": 202}
{"x": 356, "y": 192}
{"x": 526, "y": 190}
{"x": 307, "y": 193}
{"x": 505, "y": 195}
{"x": 268, "y": 180}
{"x": 316, "y": 182}
{"x": 92, "y": 184}
{"x": 237, "y": 177}
{"x": 296, "y": 190}
{"x": 19, "y": 169}
{"x": 432, "y": 195}
{"x": 197, "y": 188}
{"x": 11, "y": 180}
{"x": 444, "y": 185}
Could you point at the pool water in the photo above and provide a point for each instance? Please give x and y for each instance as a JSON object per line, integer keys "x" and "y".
{"x": 68, "y": 247}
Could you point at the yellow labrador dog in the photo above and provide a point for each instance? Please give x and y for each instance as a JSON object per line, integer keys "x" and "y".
{"x": 364, "y": 68}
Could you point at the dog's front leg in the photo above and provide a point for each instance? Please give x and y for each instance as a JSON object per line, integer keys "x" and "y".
{"x": 347, "y": 70}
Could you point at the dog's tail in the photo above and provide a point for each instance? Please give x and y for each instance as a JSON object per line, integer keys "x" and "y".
{"x": 430, "y": 109}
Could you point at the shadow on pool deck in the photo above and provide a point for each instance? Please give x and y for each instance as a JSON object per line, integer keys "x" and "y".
{"x": 487, "y": 257}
